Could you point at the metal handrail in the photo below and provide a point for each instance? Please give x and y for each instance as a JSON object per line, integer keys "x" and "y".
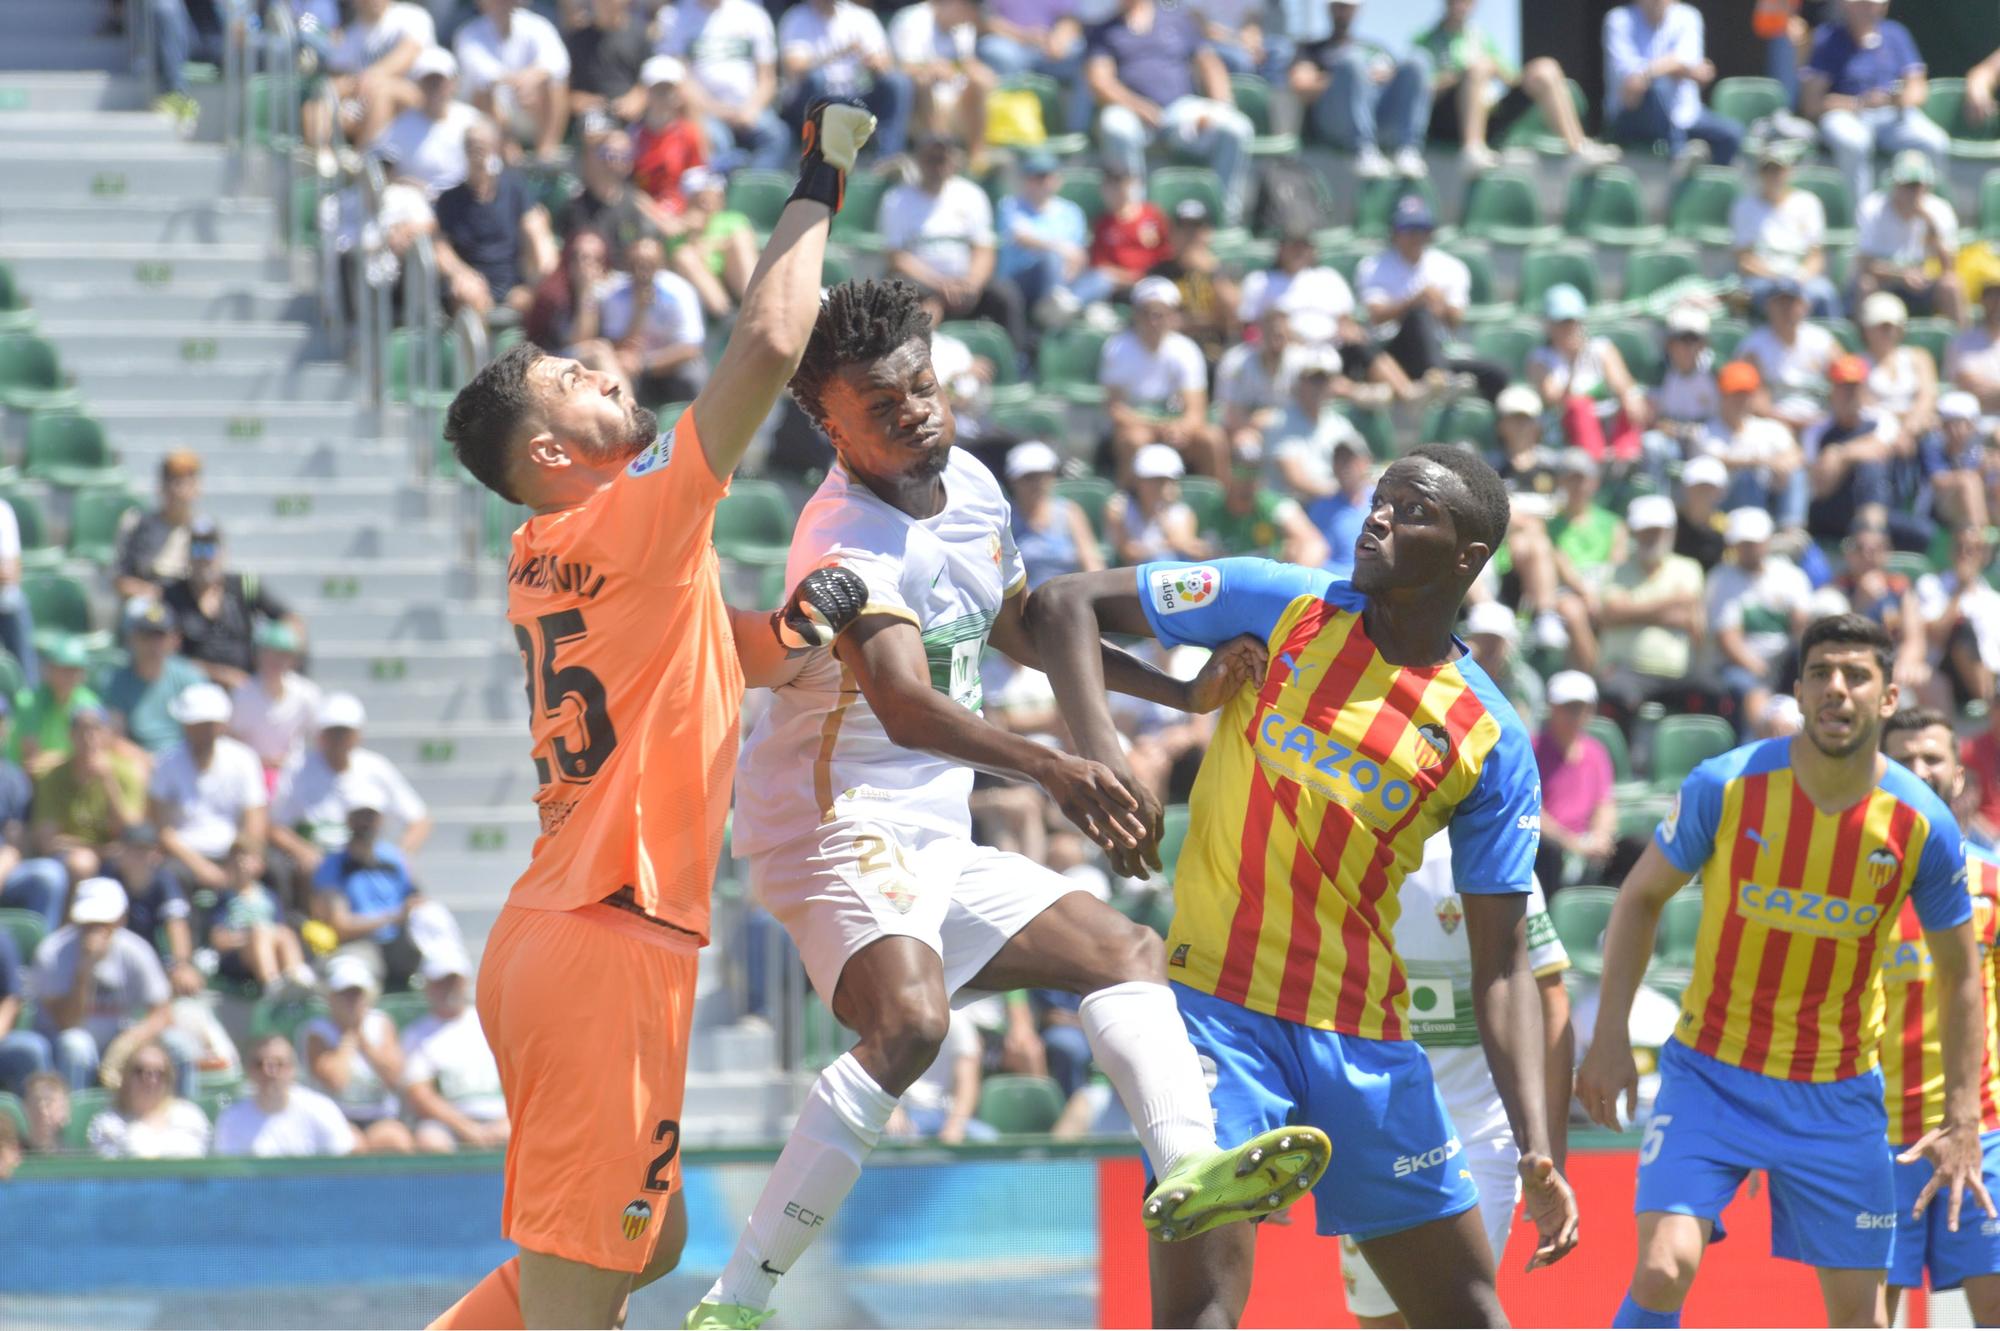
{"x": 374, "y": 315}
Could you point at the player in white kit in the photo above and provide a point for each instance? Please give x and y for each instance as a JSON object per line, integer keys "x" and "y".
{"x": 1439, "y": 966}
{"x": 852, "y": 809}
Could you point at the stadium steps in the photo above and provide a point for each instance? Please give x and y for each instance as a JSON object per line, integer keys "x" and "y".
{"x": 398, "y": 622}
{"x": 191, "y": 341}
{"x": 98, "y": 169}
{"x": 161, "y": 219}
{"x": 118, "y": 300}
{"x": 253, "y": 542}
{"x": 240, "y": 429}
{"x": 30, "y": 92}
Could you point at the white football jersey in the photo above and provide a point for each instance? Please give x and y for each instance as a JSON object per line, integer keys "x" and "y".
{"x": 819, "y": 753}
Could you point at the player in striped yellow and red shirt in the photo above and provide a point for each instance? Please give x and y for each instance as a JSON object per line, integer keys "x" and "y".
{"x": 1807, "y": 849}
{"x": 1913, "y": 1051}
{"x": 1371, "y": 729}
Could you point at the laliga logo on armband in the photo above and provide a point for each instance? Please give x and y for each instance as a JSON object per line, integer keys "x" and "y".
{"x": 1178, "y": 589}
{"x": 655, "y": 457}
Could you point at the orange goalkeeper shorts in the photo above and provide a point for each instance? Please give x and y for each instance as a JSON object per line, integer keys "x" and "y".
{"x": 588, "y": 1013}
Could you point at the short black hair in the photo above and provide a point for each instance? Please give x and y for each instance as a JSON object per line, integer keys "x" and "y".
{"x": 858, "y": 322}
{"x": 1913, "y": 718}
{"x": 1848, "y": 629}
{"x": 1483, "y": 513}
{"x": 488, "y": 414}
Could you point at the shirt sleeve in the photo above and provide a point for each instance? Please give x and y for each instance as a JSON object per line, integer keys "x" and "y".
{"x": 895, "y": 219}
{"x": 10, "y": 532}
{"x": 1687, "y": 835}
{"x": 907, "y": 37}
{"x": 979, "y": 212}
{"x": 1497, "y": 830}
{"x": 326, "y": 878}
{"x": 1546, "y": 953}
{"x": 1938, "y": 890}
{"x": 1621, "y": 55}
{"x": 873, "y": 40}
{"x": 148, "y": 975}
{"x": 1189, "y": 367}
{"x": 555, "y": 56}
{"x": 851, "y": 545}
{"x": 409, "y": 805}
{"x": 1205, "y": 605}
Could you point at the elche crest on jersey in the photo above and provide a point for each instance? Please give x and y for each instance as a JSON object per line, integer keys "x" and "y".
{"x": 1449, "y": 914}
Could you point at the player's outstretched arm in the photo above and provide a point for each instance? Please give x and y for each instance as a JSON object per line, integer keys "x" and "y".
{"x": 1953, "y": 1147}
{"x": 1608, "y": 1070}
{"x": 781, "y": 302}
{"x": 1065, "y": 619}
{"x": 772, "y": 645}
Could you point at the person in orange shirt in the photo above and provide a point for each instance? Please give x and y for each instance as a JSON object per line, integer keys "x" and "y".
{"x": 635, "y": 673}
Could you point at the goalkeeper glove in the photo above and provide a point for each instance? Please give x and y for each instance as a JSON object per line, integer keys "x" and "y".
{"x": 833, "y": 135}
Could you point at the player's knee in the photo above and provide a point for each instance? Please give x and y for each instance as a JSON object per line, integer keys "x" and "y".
{"x": 909, "y": 1034}
{"x": 1136, "y": 954}
{"x": 1662, "y": 1278}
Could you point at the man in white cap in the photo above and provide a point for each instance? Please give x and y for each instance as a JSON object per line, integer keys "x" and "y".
{"x": 494, "y": 240}
{"x": 207, "y": 794}
{"x": 1493, "y": 631}
{"x": 1757, "y": 608}
{"x": 516, "y": 70}
{"x": 1156, "y": 383}
{"x": 1953, "y": 461}
{"x": 666, "y": 139}
{"x": 309, "y": 811}
{"x": 1148, "y": 520}
{"x": 1699, "y": 514}
{"x": 1648, "y": 616}
{"x": 1052, "y": 533}
{"x": 96, "y": 982}
{"x": 450, "y": 1080}
{"x": 426, "y": 143}
{"x": 1579, "y": 817}
{"x": 1299, "y": 450}
{"x": 1906, "y": 240}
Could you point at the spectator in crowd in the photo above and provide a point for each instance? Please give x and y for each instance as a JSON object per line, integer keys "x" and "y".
{"x": 938, "y": 233}
{"x": 1156, "y": 384}
{"x": 941, "y": 1102}
{"x": 1364, "y": 101}
{"x": 1779, "y": 232}
{"x": 207, "y": 794}
{"x": 935, "y": 44}
{"x": 1656, "y": 67}
{"x": 1972, "y": 361}
{"x": 276, "y": 710}
{"x": 606, "y": 52}
{"x": 426, "y": 143}
{"x": 496, "y": 242}
{"x": 1792, "y": 356}
{"x": 1648, "y": 617}
{"x": 45, "y": 1099}
{"x": 158, "y": 909}
{"x": 1582, "y": 377}
{"x": 23, "y": 1053}
{"x": 1338, "y": 517}
{"x": 152, "y": 544}
{"x": 1579, "y": 817}
{"x": 1256, "y": 520}
{"x": 1526, "y": 464}
{"x": 17, "y": 621}
{"x": 1209, "y": 294}
{"x": 28, "y": 879}
{"x": 146, "y": 1120}
{"x": 249, "y": 934}
{"x": 837, "y": 49}
{"x": 1041, "y": 37}
{"x": 217, "y": 611}
{"x": 967, "y": 383}
{"x": 281, "y": 1118}
{"x": 1044, "y": 244}
{"x": 1243, "y": 40}
{"x": 651, "y": 318}
{"x": 99, "y": 989}
{"x": 1902, "y": 379}
{"x": 1953, "y": 462}
{"x": 516, "y": 70}
{"x": 610, "y": 205}
{"x": 41, "y": 726}
{"x": 1889, "y": 598}
{"x": 1961, "y": 613}
{"x": 1686, "y": 399}
{"x": 1130, "y": 236}
{"x": 138, "y": 693}
{"x": 666, "y": 140}
{"x": 1866, "y": 85}
{"x": 1980, "y": 753}
{"x": 1416, "y": 297}
{"x": 1766, "y": 468}
{"x": 1757, "y": 608}
{"x": 1469, "y": 71}
{"x": 1253, "y": 384}
{"x": 1155, "y": 74}
{"x": 315, "y": 799}
{"x": 1851, "y": 454}
{"x": 1320, "y": 310}
{"x": 732, "y": 48}
{"x": 87, "y": 801}
{"x": 1907, "y": 240}
{"x": 1493, "y": 632}
{"x": 369, "y": 67}
{"x": 1299, "y": 450}
{"x": 1149, "y": 521}
{"x": 1052, "y": 533}
{"x": 1589, "y": 539}
{"x": 450, "y": 1080}
{"x": 552, "y": 315}
{"x": 716, "y": 250}
{"x": 1700, "y": 516}
{"x": 355, "y": 1056}
{"x": 363, "y": 892}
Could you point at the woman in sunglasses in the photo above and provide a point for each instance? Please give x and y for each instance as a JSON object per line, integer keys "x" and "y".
{"x": 147, "y": 1121}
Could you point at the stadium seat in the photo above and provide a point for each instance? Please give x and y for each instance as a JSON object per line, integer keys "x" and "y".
{"x": 1747, "y": 100}
{"x": 1173, "y": 835}
{"x": 1989, "y": 210}
{"x": 1699, "y": 210}
{"x": 1253, "y": 98}
{"x": 1485, "y": 302}
{"x": 403, "y": 1008}
{"x": 31, "y": 375}
{"x": 1580, "y": 915}
{"x": 60, "y": 605}
{"x": 1639, "y": 815}
{"x": 854, "y": 224}
{"x": 27, "y": 928}
{"x": 1504, "y": 206}
{"x": 1091, "y": 494}
{"x": 1607, "y": 733}
{"x": 760, "y": 196}
{"x": 1036, "y": 418}
{"x": 985, "y": 338}
{"x": 1084, "y": 186}
{"x": 1463, "y": 419}
{"x": 11, "y": 1106}
{"x": 1682, "y": 743}
{"x": 1376, "y": 427}
{"x": 1606, "y": 206}
{"x": 1639, "y": 343}
{"x": 283, "y": 1015}
{"x": 1168, "y": 186}
{"x": 753, "y": 523}
{"x": 1342, "y": 253}
{"x": 1545, "y": 267}
{"x": 1724, "y": 335}
{"x": 37, "y": 550}
{"x": 1204, "y": 496}
{"x": 1375, "y": 200}
{"x": 1014, "y": 1104}
{"x": 1067, "y": 364}
{"x": 1944, "y": 102}
{"x": 1531, "y": 129}
{"x": 1844, "y": 332}
{"x": 835, "y": 267}
{"x": 1676, "y": 943}
{"x": 68, "y": 449}
{"x": 1933, "y": 335}
{"x": 1508, "y": 344}
{"x": 84, "y": 1105}
{"x": 1831, "y": 188}
{"x": 402, "y": 369}
{"x": 1657, "y": 267}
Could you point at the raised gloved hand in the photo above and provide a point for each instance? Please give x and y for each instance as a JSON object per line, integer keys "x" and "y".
{"x": 819, "y": 609}
{"x": 833, "y": 135}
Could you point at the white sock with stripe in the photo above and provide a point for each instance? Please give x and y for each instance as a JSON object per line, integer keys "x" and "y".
{"x": 1136, "y": 1032}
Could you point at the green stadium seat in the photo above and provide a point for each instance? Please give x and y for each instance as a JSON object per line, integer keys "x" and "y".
{"x": 1607, "y": 207}
{"x": 1505, "y": 207}
{"x": 1253, "y": 98}
{"x": 1844, "y": 332}
{"x": 1607, "y": 733}
{"x": 1944, "y": 102}
{"x": 1989, "y": 207}
{"x": 1019, "y": 1105}
{"x": 753, "y": 523}
{"x": 1543, "y": 268}
{"x": 1067, "y": 364}
{"x": 1084, "y": 186}
{"x": 1699, "y": 209}
{"x": 1091, "y": 494}
{"x": 1656, "y": 267}
{"x": 1033, "y": 419}
{"x": 1831, "y": 188}
{"x": 403, "y": 1008}
{"x": 1639, "y": 343}
{"x": 1485, "y": 302}
{"x": 854, "y": 224}
{"x": 1724, "y": 335}
{"x": 60, "y": 605}
{"x": 1933, "y": 335}
{"x": 38, "y": 551}
{"x": 11, "y": 1106}
{"x": 1375, "y": 201}
{"x": 1462, "y": 419}
{"x": 985, "y": 338}
{"x": 1532, "y": 129}
{"x": 1676, "y": 942}
{"x": 84, "y": 1106}
{"x": 1174, "y": 822}
{"x": 760, "y": 196}
{"x": 1054, "y": 114}
{"x": 1342, "y": 253}
{"x": 1376, "y": 427}
{"x": 31, "y": 375}
{"x": 27, "y": 928}
{"x": 1240, "y": 252}
{"x": 1204, "y": 496}
{"x": 1747, "y": 100}
{"x": 1168, "y": 186}
{"x": 835, "y": 267}
{"x": 403, "y": 343}
{"x": 1684, "y": 742}
{"x": 1580, "y": 915}
{"x": 68, "y": 449}
{"x": 284, "y": 1014}
{"x": 1640, "y": 815}
{"x": 1508, "y": 344}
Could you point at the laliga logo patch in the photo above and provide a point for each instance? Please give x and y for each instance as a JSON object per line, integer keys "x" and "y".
{"x": 1436, "y": 748}
{"x": 1882, "y": 866}
{"x": 654, "y": 458}
{"x": 1178, "y": 589}
{"x": 637, "y": 1216}
{"x": 1673, "y": 820}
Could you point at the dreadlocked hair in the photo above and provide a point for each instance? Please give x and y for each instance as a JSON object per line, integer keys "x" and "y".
{"x": 858, "y": 322}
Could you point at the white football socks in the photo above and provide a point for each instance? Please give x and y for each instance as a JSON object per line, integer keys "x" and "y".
{"x": 1135, "y": 1031}
{"x": 843, "y": 1118}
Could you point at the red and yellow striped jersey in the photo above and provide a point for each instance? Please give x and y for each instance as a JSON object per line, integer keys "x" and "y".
{"x": 1913, "y": 1044}
{"x": 1799, "y": 906}
{"x": 1319, "y": 791}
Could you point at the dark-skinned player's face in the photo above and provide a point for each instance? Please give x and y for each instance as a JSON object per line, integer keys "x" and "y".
{"x": 592, "y": 412}
{"x": 1844, "y": 697}
{"x": 889, "y": 418}
{"x": 1931, "y": 753}
{"x": 1410, "y": 537}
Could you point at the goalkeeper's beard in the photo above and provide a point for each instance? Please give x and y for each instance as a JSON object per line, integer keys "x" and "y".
{"x": 644, "y": 429}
